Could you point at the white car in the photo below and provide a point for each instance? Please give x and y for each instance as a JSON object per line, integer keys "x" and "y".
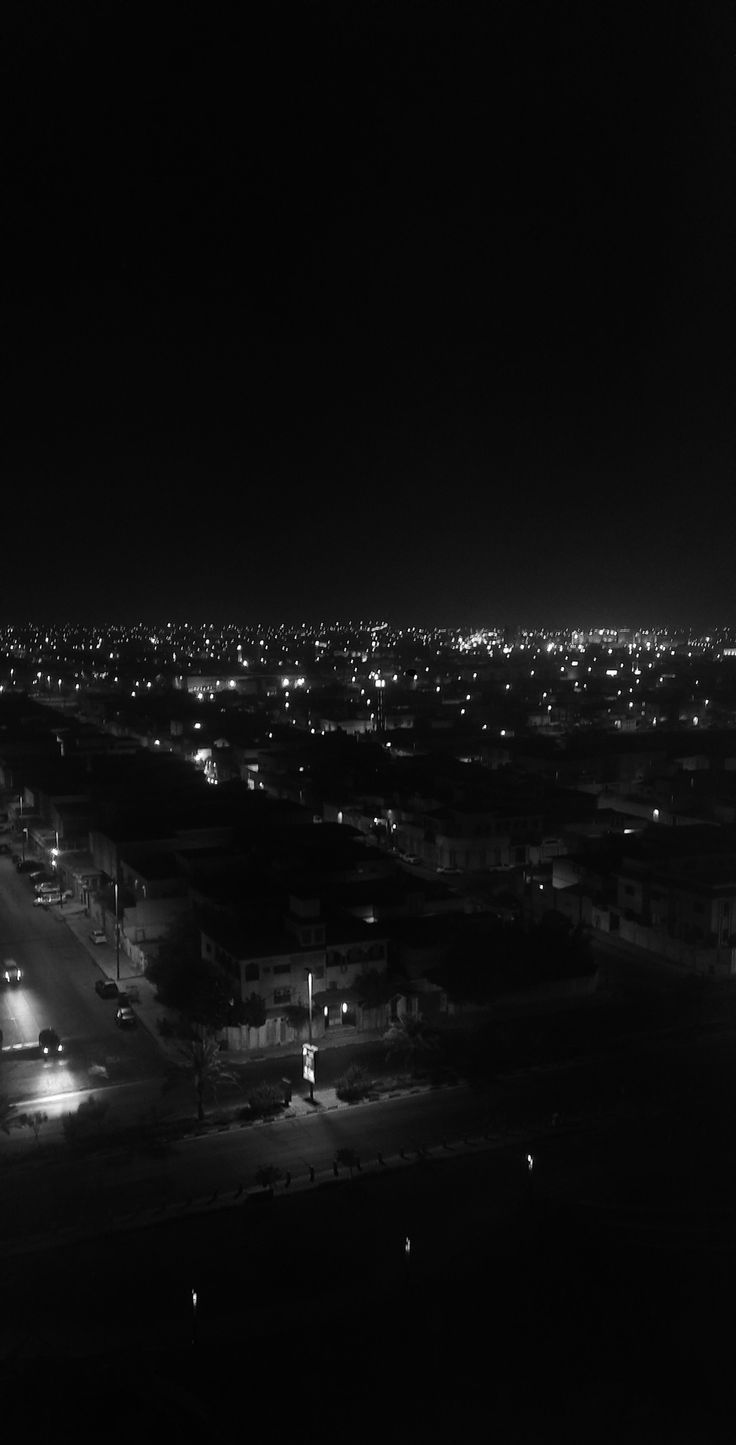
{"x": 98, "y": 935}
{"x": 11, "y": 971}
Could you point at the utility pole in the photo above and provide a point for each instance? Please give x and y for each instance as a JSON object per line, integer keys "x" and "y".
{"x": 117, "y": 926}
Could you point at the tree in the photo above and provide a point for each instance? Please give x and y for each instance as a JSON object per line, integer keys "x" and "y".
{"x": 34, "y": 1122}
{"x": 409, "y": 1041}
{"x": 6, "y": 1113}
{"x": 86, "y": 1126}
{"x": 297, "y": 1015}
{"x": 199, "y": 1060}
{"x": 253, "y": 1011}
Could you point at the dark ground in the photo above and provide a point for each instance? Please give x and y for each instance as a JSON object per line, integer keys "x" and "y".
{"x": 592, "y": 1304}
{"x": 517, "y": 1314}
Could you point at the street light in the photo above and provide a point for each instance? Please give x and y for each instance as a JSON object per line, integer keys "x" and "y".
{"x": 311, "y": 1081}
{"x": 117, "y": 934}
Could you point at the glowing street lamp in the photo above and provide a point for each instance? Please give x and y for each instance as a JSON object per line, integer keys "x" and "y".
{"x": 117, "y": 933}
{"x": 308, "y": 1050}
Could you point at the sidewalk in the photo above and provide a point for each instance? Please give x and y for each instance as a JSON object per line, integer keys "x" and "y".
{"x": 142, "y": 994}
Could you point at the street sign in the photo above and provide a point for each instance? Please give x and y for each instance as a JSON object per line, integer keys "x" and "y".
{"x": 309, "y": 1061}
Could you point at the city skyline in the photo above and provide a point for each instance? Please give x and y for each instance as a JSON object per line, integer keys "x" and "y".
{"x": 393, "y": 314}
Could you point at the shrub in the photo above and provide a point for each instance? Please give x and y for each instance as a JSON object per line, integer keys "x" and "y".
{"x": 353, "y": 1084}
{"x": 265, "y": 1099}
{"x": 86, "y": 1126}
{"x": 268, "y": 1175}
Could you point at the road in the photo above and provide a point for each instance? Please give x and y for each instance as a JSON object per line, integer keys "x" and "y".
{"x": 57, "y": 991}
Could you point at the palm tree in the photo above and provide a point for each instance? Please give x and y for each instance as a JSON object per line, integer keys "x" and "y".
{"x": 409, "y": 1041}
{"x": 200, "y": 1059}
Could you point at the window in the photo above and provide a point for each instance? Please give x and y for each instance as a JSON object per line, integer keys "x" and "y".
{"x": 282, "y": 995}
{"x": 252, "y": 972}
{"x": 282, "y": 968}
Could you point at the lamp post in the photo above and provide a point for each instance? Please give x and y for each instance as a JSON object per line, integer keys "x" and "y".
{"x": 309, "y": 987}
{"x": 117, "y": 934}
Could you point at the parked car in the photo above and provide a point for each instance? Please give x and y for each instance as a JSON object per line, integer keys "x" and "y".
{"x": 44, "y": 900}
{"x": 106, "y": 987}
{"x": 124, "y": 1016}
{"x": 49, "y": 1043}
{"x": 98, "y": 935}
{"x": 11, "y": 971}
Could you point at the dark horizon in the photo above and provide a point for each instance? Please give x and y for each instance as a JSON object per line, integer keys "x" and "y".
{"x": 399, "y": 312}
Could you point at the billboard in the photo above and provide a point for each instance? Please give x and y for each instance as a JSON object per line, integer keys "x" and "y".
{"x": 309, "y": 1062}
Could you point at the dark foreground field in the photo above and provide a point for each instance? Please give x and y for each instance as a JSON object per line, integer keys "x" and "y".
{"x": 516, "y": 1314}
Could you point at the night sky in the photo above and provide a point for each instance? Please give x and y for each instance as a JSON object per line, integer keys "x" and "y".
{"x": 343, "y": 310}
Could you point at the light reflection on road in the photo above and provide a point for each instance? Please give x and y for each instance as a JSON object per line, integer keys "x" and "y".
{"x": 19, "y": 1015}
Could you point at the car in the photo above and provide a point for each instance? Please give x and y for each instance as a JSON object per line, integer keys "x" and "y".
{"x": 106, "y": 988}
{"x": 46, "y": 885}
{"x": 27, "y": 865}
{"x": 408, "y": 857}
{"x": 124, "y": 1016}
{"x": 43, "y": 900}
{"x": 98, "y": 935}
{"x": 11, "y": 971}
{"x": 49, "y": 1043}
{"x": 453, "y": 871}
